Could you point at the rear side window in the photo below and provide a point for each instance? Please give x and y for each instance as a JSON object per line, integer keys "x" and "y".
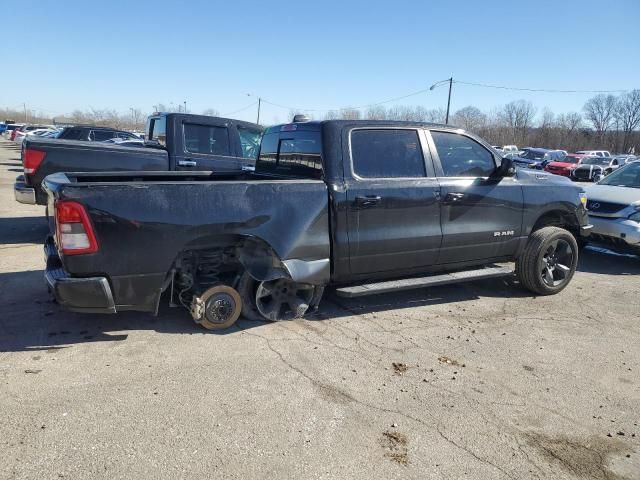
{"x": 249, "y": 141}
{"x": 291, "y": 154}
{"x": 461, "y": 156}
{"x": 387, "y": 153}
{"x": 101, "y": 135}
{"x": 73, "y": 134}
{"x": 157, "y": 130}
{"x": 206, "y": 139}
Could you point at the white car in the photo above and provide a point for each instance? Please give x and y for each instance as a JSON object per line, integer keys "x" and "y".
{"x": 37, "y": 133}
{"x": 595, "y": 153}
{"x": 20, "y": 134}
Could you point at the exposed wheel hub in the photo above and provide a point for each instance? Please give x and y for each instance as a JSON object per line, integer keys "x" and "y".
{"x": 219, "y": 308}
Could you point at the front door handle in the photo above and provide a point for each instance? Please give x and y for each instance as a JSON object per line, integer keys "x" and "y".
{"x": 366, "y": 201}
{"x": 187, "y": 163}
{"x": 453, "y": 197}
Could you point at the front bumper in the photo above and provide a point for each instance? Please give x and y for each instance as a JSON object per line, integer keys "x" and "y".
{"x": 22, "y": 192}
{"x": 616, "y": 232}
{"x": 85, "y": 295}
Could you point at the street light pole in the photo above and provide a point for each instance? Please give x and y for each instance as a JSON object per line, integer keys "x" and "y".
{"x": 185, "y": 106}
{"x": 437, "y": 84}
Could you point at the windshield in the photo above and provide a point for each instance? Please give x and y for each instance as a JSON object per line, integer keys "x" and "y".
{"x": 595, "y": 161}
{"x": 533, "y": 155}
{"x": 627, "y": 176}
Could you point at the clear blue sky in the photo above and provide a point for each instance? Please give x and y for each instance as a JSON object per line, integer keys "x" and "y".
{"x": 320, "y": 55}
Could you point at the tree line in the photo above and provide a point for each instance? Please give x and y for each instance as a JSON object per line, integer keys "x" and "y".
{"x": 610, "y": 122}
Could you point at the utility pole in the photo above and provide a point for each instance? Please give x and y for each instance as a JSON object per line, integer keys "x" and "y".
{"x": 450, "y": 80}
{"x": 449, "y": 100}
{"x": 24, "y": 105}
{"x": 259, "y": 103}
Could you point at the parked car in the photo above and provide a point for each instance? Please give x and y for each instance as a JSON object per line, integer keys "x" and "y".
{"x": 565, "y": 166}
{"x": 175, "y": 142}
{"x": 510, "y": 149}
{"x": 20, "y": 133}
{"x": 595, "y": 153}
{"x": 345, "y": 203}
{"x": 93, "y": 133}
{"x": 39, "y": 132}
{"x": 125, "y": 143}
{"x": 593, "y": 169}
{"x": 10, "y": 129}
{"x": 614, "y": 210}
{"x": 536, "y": 158}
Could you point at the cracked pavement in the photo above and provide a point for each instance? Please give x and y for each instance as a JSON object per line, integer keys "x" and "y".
{"x": 494, "y": 383}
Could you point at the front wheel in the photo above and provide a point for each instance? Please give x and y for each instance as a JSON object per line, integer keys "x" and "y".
{"x": 549, "y": 261}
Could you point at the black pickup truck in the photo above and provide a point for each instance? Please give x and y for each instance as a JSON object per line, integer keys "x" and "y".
{"x": 362, "y": 206}
{"x": 174, "y": 141}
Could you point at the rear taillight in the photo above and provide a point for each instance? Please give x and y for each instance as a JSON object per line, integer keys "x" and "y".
{"x": 73, "y": 229}
{"x": 31, "y": 160}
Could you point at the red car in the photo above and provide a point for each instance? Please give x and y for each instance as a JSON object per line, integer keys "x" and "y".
{"x": 564, "y": 167}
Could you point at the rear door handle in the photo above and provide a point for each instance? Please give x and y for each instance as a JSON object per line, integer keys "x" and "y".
{"x": 187, "y": 163}
{"x": 367, "y": 200}
{"x": 453, "y": 197}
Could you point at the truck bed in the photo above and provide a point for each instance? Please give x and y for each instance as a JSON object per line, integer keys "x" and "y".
{"x": 189, "y": 211}
{"x": 80, "y": 156}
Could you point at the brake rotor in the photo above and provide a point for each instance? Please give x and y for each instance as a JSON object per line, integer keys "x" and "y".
{"x": 221, "y": 307}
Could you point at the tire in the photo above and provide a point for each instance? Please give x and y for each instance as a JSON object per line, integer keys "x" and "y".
{"x": 275, "y": 300}
{"x": 247, "y": 290}
{"x": 548, "y": 262}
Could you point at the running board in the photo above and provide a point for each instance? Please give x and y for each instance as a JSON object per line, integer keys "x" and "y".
{"x": 420, "y": 282}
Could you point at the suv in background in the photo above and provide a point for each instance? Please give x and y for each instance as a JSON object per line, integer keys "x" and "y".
{"x": 595, "y": 153}
{"x": 537, "y": 158}
{"x": 92, "y": 133}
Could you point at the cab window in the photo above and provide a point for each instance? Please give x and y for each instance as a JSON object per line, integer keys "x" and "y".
{"x": 387, "y": 153}
{"x": 206, "y": 139}
{"x": 461, "y": 156}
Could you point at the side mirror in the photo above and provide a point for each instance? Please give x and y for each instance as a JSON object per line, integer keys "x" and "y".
{"x": 505, "y": 169}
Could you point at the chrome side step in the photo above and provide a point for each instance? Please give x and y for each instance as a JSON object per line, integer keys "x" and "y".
{"x": 420, "y": 282}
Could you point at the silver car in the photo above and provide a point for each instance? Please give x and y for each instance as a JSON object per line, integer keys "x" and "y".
{"x": 614, "y": 209}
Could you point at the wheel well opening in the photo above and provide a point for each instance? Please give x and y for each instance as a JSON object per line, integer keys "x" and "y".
{"x": 560, "y": 219}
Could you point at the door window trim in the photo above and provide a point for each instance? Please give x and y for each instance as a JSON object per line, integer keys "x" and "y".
{"x": 436, "y": 157}
{"x": 430, "y": 173}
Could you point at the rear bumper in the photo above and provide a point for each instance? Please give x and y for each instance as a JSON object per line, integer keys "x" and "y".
{"x": 85, "y": 295}
{"x": 22, "y": 192}
{"x": 615, "y": 231}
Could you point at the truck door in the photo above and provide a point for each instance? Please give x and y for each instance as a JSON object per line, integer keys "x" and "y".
{"x": 481, "y": 217}
{"x": 206, "y": 147}
{"x": 393, "y": 214}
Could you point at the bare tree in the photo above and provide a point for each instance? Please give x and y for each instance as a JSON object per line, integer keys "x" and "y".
{"x": 518, "y": 116}
{"x": 600, "y": 111}
{"x": 470, "y": 118}
{"x": 376, "y": 112}
{"x": 350, "y": 113}
{"x": 628, "y": 115}
{"x": 211, "y": 112}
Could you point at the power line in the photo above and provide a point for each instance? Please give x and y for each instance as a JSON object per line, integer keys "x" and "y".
{"x": 240, "y": 110}
{"x": 546, "y": 90}
{"x": 424, "y": 90}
